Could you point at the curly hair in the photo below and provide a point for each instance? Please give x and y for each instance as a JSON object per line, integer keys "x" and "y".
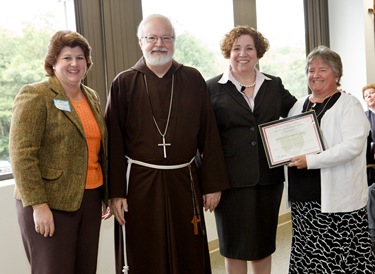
{"x": 261, "y": 43}
{"x": 66, "y": 38}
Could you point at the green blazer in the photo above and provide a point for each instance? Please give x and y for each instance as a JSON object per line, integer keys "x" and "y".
{"x": 47, "y": 146}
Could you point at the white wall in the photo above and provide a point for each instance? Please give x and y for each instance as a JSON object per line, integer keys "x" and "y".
{"x": 352, "y": 37}
{"x": 12, "y": 255}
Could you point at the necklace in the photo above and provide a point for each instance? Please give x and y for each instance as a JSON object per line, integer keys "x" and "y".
{"x": 163, "y": 144}
{"x": 248, "y": 86}
{"x": 314, "y": 104}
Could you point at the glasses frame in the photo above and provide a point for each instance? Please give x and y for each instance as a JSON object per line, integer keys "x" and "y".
{"x": 152, "y": 39}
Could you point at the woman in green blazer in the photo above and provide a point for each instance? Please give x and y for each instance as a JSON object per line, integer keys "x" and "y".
{"x": 58, "y": 150}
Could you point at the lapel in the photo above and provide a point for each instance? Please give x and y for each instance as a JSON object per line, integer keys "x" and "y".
{"x": 236, "y": 95}
{"x": 72, "y": 115}
{"x": 260, "y": 95}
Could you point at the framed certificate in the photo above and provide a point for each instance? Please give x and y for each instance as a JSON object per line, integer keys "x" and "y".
{"x": 289, "y": 137}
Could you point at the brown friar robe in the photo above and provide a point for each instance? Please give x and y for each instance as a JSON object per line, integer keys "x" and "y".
{"x": 159, "y": 231}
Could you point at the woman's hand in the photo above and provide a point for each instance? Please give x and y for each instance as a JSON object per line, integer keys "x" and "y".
{"x": 106, "y": 211}
{"x": 298, "y": 162}
{"x": 43, "y": 220}
{"x": 211, "y": 200}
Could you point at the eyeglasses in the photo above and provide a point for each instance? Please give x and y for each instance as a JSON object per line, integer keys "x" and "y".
{"x": 154, "y": 38}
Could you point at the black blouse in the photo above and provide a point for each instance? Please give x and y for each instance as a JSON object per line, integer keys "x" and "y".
{"x": 304, "y": 184}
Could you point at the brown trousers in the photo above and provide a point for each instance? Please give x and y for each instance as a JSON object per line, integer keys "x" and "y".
{"x": 73, "y": 249}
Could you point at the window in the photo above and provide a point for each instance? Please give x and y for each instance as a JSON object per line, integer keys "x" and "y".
{"x": 200, "y": 26}
{"x": 198, "y": 33}
{"x": 282, "y": 23}
{"x": 24, "y": 39}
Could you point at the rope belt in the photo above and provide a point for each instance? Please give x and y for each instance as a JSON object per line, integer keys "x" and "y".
{"x": 140, "y": 163}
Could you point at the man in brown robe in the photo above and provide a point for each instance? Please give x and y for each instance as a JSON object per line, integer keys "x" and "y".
{"x": 158, "y": 116}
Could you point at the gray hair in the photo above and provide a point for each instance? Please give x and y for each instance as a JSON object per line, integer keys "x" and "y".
{"x": 329, "y": 57}
{"x": 144, "y": 22}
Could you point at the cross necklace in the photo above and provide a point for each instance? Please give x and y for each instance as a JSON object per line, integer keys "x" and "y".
{"x": 163, "y": 144}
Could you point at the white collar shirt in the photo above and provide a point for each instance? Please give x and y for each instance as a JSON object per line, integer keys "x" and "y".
{"x": 260, "y": 78}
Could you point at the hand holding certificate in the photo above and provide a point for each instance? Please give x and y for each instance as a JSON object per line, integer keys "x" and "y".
{"x": 293, "y": 136}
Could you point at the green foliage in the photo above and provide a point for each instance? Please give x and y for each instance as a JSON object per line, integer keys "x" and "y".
{"x": 288, "y": 64}
{"x": 191, "y": 52}
{"x": 21, "y": 62}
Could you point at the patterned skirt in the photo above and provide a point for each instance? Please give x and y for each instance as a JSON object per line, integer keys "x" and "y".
{"x": 330, "y": 243}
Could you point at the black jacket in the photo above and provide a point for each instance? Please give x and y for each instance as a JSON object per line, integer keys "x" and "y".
{"x": 238, "y": 124}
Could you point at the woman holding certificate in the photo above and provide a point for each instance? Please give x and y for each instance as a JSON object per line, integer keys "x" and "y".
{"x": 243, "y": 98}
{"x": 328, "y": 191}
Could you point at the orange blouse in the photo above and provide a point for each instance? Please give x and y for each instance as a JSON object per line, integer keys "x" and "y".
{"x": 94, "y": 177}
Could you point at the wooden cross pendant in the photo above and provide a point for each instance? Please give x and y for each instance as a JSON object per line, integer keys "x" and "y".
{"x": 164, "y": 144}
{"x": 195, "y": 222}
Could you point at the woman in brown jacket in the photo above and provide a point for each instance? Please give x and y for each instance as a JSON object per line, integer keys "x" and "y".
{"x": 58, "y": 153}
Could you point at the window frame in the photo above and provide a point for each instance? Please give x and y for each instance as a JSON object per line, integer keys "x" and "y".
{"x": 110, "y": 26}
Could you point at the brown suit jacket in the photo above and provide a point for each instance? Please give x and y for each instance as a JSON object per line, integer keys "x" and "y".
{"x": 47, "y": 146}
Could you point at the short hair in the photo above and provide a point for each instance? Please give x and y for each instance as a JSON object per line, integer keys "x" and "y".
{"x": 143, "y": 23}
{"x": 261, "y": 43}
{"x": 329, "y": 57}
{"x": 368, "y": 86}
{"x": 65, "y": 38}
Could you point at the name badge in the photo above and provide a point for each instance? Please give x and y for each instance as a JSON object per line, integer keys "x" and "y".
{"x": 62, "y": 104}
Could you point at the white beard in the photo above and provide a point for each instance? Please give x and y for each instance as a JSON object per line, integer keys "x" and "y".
{"x": 158, "y": 60}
